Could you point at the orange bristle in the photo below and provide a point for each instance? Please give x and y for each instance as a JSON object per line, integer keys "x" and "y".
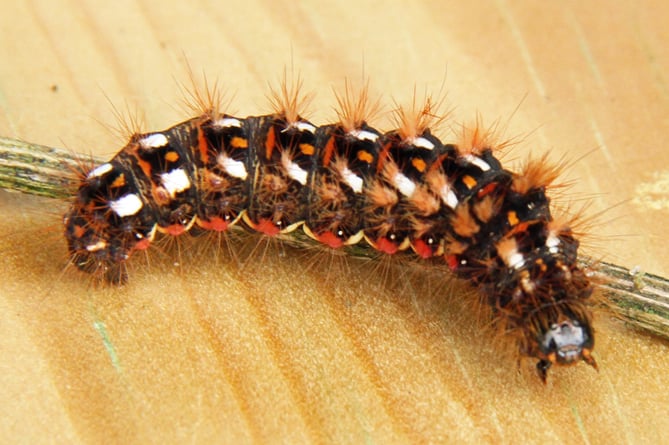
{"x": 288, "y": 101}
{"x": 355, "y": 107}
{"x": 414, "y": 120}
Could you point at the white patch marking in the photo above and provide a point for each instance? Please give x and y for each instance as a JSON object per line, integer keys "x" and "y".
{"x": 448, "y": 196}
{"x": 301, "y": 126}
{"x": 423, "y": 143}
{"x": 354, "y": 181}
{"x": 552, "y": 242}
{"x": 236, "y": 169}
{"x": 363, "y": 135}
{"x": 511, "y": 256}
{"x": 480, "y": 163}
{"x": 295, "y": 171}
{"x": 156, "y": 140}
{"x": 100, "y": 171}
{"x": 515, "y": 259}
{"x": 127, "y": 205}
{"x": 227, "y": 122}
{"x": 405, "y": 185}
{"x": 97, "y": 246}
{"x": 175, "y": 181}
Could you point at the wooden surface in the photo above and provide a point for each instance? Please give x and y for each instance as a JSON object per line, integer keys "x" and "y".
{"x": 198, "y": 349}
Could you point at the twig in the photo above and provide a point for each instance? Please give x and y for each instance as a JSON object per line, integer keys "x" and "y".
{"x": 640, "y": 299}
{"x": 36, "y": 169}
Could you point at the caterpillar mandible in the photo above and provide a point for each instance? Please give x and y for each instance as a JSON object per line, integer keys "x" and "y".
{"x": 402, "y": 192}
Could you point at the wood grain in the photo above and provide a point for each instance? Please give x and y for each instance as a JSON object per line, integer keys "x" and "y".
{"x": 292, "y": 347}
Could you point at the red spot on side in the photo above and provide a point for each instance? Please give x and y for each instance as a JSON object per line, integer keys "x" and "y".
{"x": 217, "y": 224}
{"x": 267, "y": 227}
{"x": 330, "y": 239}
{"x": 383, "y": 155}
{"x": 269, "y": 143}
{"x": 519, "y": 228}
{"x": 175, "y": 229}
{"x": 79, "y": 231}
{"x": 145, "y": 166}
{"x": 142, "y": 244}
{"x": 487, "y": 190}
{"x": 329, "y": 150}
{"x": 452, "y": 261}
{"x": 386, "y": 246}
{"x": 422, "y": 249}
{"x": 203, "y": 146}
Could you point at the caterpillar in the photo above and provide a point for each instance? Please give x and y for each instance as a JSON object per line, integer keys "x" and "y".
{"x": 402, "y": 192}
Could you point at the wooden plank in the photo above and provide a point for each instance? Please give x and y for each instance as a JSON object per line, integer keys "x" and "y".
{"x": 271, "y": 351}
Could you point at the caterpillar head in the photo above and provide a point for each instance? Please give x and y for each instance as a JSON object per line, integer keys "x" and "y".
{"x": 566, "y": 340}
{"x": 561, "y": 324}
{"x": 544, "y": 293}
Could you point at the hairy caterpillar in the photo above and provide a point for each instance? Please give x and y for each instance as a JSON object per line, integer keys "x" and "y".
{"x": 402, "y": 192}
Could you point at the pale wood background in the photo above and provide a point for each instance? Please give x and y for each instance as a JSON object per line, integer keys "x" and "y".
{"x": 206, "y": 351}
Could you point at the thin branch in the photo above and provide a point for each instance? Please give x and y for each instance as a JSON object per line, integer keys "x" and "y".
{"x": 639, "y": 298}
{"x": 36, "y": 169}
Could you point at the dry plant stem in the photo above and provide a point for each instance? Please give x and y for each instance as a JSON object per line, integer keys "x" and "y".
{"x": 36, "y": 169}
{"x": 640, "y": 299}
